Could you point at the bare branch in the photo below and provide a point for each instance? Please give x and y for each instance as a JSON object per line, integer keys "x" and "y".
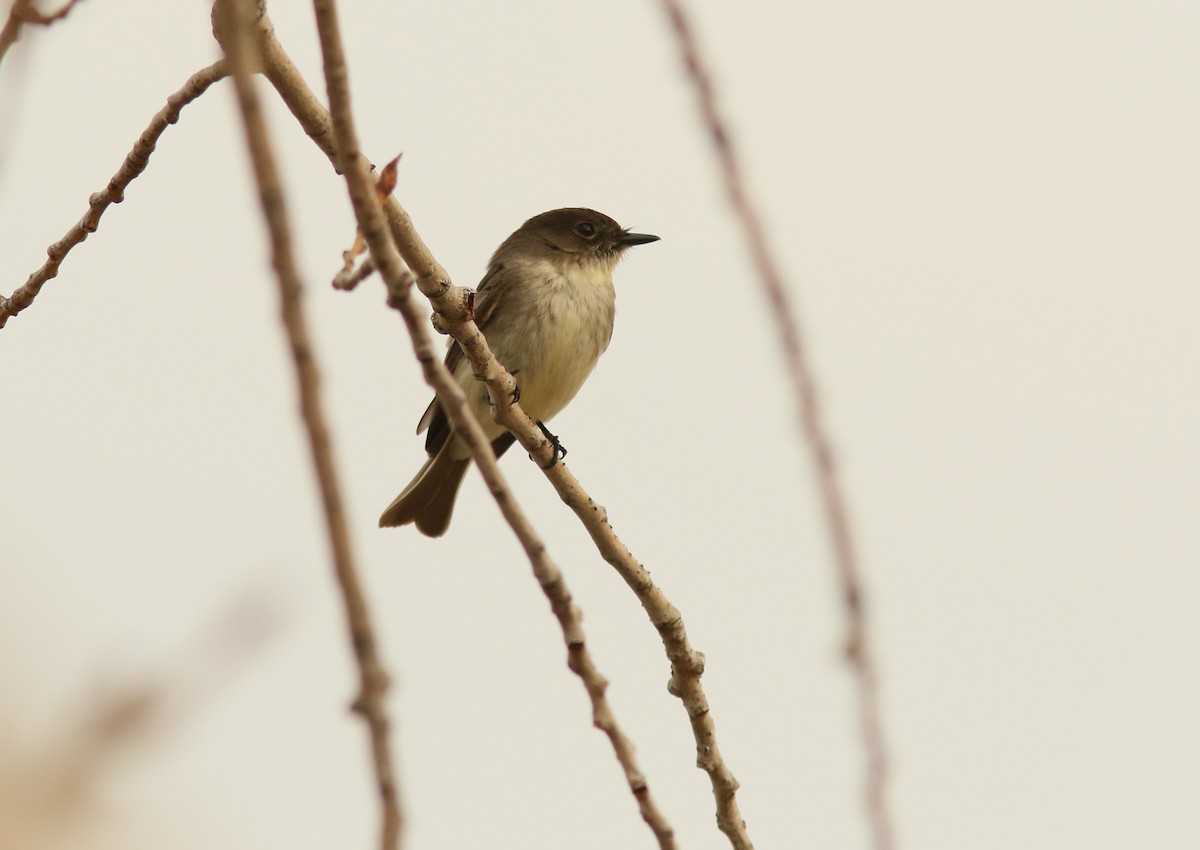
{"x": 687, "y": 664}
{"x": 399, "y": 282}
{"x": 235, "y": 19}
{"x": 858, "y": 650}
{"x": 135, "y": 163}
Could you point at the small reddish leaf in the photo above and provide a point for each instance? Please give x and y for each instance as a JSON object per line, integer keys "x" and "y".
{"x": 387, "y": 178}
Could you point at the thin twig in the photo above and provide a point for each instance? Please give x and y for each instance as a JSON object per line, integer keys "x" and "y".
{"x": 373, "y": 681}
{"x": 24, "y": 12}
{"x": 453, "y": 317}
{"x": 349, "y": 280}
{"x": 399, "y": 283}
{"x": 135, "y": 163}
{"x": 858, "y": 647}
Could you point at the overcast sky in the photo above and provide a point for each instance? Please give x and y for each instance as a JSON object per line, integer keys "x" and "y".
{"x": 988, "y": 214}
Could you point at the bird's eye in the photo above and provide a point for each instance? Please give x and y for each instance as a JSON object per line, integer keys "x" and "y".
{"x": 585, "y": 229}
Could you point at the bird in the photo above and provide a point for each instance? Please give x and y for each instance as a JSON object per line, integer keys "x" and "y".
{"x": 546, "y": 308}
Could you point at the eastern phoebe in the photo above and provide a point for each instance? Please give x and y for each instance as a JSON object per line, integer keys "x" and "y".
{"x": 546, "y": 308}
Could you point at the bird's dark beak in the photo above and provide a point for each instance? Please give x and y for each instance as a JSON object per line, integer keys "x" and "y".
{"x": 628, "y": 239}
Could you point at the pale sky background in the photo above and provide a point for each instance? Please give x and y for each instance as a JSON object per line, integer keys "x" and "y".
{"x": 989, "y": 216}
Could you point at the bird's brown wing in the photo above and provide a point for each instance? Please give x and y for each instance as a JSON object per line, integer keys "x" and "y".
{"x": 486, "y": 308}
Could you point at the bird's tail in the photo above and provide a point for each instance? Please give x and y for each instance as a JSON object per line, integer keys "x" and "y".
{"x": 428, "y": 500}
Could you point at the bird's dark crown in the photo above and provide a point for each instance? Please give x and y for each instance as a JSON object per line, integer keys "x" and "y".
{"x": 573, "y": 230}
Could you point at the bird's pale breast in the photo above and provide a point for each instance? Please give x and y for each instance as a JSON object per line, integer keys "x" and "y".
{"x": 553, "y": 342}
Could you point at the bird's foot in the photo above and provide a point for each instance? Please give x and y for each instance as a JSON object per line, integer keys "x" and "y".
{"x": 560, "y": 451}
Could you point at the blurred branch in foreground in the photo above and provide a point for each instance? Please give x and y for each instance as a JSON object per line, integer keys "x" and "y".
{"x": 25, "y": 12}
{"x": 53, "y": 782}
{"x": 234, "y": 22}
